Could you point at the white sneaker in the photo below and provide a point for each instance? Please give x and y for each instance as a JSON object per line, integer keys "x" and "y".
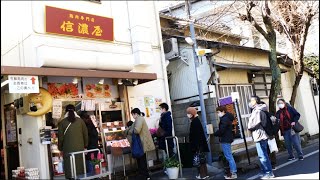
{"x": 199, "y": 177}
{"x": 232, "y": 176}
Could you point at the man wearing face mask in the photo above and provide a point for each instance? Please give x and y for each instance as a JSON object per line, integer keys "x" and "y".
{"x": 226, "y": 138}
{"x": 259, "y": 135}
{"x": 288, "y": 118}
{"x": 165, "y": 123}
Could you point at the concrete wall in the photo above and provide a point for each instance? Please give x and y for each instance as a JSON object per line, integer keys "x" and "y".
{"x": 304, "y": 102}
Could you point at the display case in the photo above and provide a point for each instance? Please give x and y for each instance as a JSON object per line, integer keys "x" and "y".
{"x": 114, "y": 135}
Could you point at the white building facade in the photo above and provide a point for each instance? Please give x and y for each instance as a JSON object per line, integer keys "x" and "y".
{"x": 136, "y": 48}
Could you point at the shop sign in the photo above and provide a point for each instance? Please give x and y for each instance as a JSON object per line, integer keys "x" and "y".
{"x": 77, "y": 24}
{"x": 23, "y": 84}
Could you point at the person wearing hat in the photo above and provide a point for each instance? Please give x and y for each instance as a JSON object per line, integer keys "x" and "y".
{"x": 198, "y": 141}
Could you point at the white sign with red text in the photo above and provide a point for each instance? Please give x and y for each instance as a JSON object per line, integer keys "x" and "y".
{"x": 23, "y": 84}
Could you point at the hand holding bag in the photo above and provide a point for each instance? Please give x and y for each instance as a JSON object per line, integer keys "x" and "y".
{"x": 198, "y": 159}
{"x": 297, "y": 127}
{"x": 272, "y": 145}
{"x": 160, "y": 132}
{"x": 136, "y": 146}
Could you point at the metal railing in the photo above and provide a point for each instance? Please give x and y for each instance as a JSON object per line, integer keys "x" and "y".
{"x": 85, "y": 175}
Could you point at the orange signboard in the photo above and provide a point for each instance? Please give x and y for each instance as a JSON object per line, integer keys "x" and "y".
{"x": 77, "y": 24}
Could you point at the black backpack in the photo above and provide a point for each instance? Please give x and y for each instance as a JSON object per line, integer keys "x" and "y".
{"x": 268, "y": 126}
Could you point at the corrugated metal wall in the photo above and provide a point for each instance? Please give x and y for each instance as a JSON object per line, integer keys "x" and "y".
{"x": 182, "y": 81}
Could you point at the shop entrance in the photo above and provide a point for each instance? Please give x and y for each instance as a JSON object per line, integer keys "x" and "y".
{"x": 11, "y": 148}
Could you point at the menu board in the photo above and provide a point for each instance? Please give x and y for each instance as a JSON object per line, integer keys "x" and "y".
{"x": 11, "y": 127}
{"x": 97, "y": 91}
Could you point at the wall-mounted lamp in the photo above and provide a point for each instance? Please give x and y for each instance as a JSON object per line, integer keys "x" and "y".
{"x": 189, "y": 41}
{"x": 101, "y": 81}
{"x": 253, "y": 75}
{"x": 135, "y": 82}
{"x": 75, "y": 81}
{"x": 120, "y": 81}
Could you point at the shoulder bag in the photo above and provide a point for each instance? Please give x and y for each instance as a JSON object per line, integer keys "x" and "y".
{"x": 65, "y": 131}
{"x": 160, "y": 132}
{"x": 136, "y": 146}
{"x": 297, "y": 127}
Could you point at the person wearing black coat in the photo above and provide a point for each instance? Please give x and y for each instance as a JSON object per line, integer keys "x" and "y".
{"x": 166, "y": 124}
{"x": 92, "y": 134}
{"x": 198, "y": 141}
{"x": 226, "y": 138}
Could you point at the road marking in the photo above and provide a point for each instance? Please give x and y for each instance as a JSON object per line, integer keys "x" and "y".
{"x": 287, "y": 163}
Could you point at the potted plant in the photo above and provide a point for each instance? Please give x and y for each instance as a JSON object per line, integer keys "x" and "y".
{"x": 172, "y": 167}
{"x": 96, "y": 162}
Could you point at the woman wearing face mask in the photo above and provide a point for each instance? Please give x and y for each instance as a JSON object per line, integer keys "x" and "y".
{"x": 140, "y": 127}
{"x": 259, "y": 135}
{"x": 226, "y": 138}
{"x": 197, "y": 140}
{"x": 289, "y": 117}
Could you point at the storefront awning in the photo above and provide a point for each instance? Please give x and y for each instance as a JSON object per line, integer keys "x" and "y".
{"x": 223, "y": 66}
{"x": 42, "y": 71}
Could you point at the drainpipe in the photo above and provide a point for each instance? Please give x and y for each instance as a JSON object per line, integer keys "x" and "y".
{"x": 163, "y": 63}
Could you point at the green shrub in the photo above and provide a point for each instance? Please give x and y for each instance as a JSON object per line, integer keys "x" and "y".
{"x": 171, "y": 162}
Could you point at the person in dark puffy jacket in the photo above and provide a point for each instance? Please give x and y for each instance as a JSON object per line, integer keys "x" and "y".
{"x": 226, "y": 138}
{"x": 166, "y": 124}
{"x": 288, "y": 117}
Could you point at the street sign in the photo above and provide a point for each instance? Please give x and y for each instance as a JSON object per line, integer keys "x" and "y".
{"x": 23, "y": 84}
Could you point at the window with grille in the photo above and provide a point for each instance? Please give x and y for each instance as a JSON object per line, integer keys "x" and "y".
{"x": 262, "y": 84}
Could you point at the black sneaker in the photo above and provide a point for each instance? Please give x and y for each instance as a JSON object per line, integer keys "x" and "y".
{"x": 274, "y": 167}
{"x": 301, "y": 158}
{"x": 291, "y": 158}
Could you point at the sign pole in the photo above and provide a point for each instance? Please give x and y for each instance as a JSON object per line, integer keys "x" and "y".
{"x": 242, "y": 130}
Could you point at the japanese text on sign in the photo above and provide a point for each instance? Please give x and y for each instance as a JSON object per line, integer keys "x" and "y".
{"x": 71, "y": 23}
{"x": 23, "y": 84}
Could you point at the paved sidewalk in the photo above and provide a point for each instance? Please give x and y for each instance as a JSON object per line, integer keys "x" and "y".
{"x": 188, "y": 173}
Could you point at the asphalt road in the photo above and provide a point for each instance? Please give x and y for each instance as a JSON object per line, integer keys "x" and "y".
{"x": 306, "y": 169}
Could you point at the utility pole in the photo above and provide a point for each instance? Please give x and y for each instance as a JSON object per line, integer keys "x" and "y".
{"x": 199, "y": 81}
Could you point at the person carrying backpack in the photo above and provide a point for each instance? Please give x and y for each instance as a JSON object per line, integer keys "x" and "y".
{"x": 271, "y": 126}
{"x": 259, "y": 135}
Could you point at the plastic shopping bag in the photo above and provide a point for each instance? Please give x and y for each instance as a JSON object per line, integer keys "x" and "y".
{"x": 272, "y": 145}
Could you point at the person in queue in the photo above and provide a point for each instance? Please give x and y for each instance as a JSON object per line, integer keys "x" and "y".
{"x": 140, "y": 127}
{"x": 165, "y": 123}
{"x": 288, "y": 117}
{"x": 259, "y": 135}
{"x": 226, "y": 138}
{"x": 92, "y": 134}
{"x": 198, "y": 141}
{"x": 72, "y": 137}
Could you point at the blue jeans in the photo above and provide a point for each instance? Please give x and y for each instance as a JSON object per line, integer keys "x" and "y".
{"x": 226, "y": 148}
{"x": 262, "y": 149}
{"x": 292, "y": 140}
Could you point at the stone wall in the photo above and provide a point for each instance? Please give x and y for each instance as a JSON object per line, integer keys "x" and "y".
{"x": 182, "y": 123}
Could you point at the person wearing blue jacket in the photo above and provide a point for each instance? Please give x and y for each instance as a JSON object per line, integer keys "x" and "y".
{"x": 288, "y": 117}
{"x": 166, "y": 124}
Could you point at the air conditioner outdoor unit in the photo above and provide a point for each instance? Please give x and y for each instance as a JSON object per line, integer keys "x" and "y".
{"x": 171, "y": 49}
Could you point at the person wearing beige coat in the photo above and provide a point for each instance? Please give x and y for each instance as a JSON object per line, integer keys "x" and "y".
{"x": 140, "y": 127}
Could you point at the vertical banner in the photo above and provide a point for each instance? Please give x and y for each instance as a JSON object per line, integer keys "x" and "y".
{"x": 56, "y": 109}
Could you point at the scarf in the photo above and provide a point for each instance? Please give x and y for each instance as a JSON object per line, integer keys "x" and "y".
{"x": 285, "y": 119}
